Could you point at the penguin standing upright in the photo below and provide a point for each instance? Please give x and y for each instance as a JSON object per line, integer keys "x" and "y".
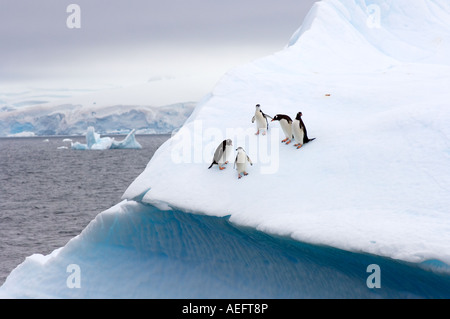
{"x": 261, "y": 120}
{"x": 286, "y": 125}
{"x": 299, "y": 131}
{"x": 221, "y": 154}
{"x": 241, "y": 161}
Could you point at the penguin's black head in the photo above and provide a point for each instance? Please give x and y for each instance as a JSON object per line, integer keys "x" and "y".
{"x": 299, "y": 115}
{"x": 280, "y": 117}
{"x": 257, "y": 105}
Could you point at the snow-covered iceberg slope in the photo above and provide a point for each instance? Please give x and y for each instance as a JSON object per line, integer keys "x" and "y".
{"x": 95, "y": 142}
{"x": 375, "y": 95}
{"x": 371, "y": 79}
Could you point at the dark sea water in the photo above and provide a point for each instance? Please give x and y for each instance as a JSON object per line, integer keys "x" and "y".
{"x": 49, "y": 195}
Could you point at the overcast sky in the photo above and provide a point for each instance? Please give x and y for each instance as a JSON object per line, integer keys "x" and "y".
{"x": 130, "y": 41}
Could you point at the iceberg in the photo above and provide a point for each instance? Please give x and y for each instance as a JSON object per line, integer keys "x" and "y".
{"x": 371, "y": 79}
{"x": 95, "y": 142}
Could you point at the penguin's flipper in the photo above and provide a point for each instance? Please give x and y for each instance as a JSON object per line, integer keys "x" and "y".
{"x": 253, "y": 119}
{"x": 266, "y": 116}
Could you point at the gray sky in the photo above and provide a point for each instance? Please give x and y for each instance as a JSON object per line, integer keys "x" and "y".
{"x": 130, "y": 41}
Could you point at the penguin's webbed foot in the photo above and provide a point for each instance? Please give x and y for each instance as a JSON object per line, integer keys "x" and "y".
{"x": 299, "y": 146}
{"x": 245, "y": 173}
{"x": 288, "y": 142}
{"x": 222, "y": 168}
{"x": 239, "y": 176}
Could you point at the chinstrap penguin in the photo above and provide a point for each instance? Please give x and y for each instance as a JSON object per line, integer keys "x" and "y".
{"x": 261, "y": 120}
{"x": 299, "y": 131}
{"x": 221, "y": 154}
{"x": 241, "y": 162}
{"x": 286, "y": 125}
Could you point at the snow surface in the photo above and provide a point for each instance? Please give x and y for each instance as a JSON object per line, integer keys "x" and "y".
{"x": 371, "y": 79}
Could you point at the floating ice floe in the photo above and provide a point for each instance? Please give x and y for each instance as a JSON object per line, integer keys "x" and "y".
{"x": 95, "y": 142}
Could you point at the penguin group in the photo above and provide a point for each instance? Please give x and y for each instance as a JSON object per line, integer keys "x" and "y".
{"x": 221, "y": 158}
{"x": 294, "y": 130}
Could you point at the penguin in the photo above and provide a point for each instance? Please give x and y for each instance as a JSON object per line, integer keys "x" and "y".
{"x": 299, "y": 131}
{"x": 286, "y": 125}
{"x": 240, "y": 163}
{"x": 221, "y": 154}
{"x": 261, "y": 120}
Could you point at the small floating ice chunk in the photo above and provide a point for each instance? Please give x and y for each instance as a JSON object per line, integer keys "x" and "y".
{"x": 95, "y": 142}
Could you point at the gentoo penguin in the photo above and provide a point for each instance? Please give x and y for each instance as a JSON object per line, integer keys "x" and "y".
{"x": 261, "y": 120}
{"x": 221, "y": 154}
{"x": 286, "y": 125}
{"x": 240, "y": 163}
{"x": 299, "y": 131}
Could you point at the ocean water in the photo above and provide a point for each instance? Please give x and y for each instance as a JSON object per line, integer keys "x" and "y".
{"x": 49, "y": 195}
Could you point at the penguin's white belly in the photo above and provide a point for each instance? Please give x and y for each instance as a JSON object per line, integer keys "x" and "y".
{"x": 241, "y": 168}
{"x": 225, "y": 154}
{"x": 260, "y": 121}
{"x": 297, "y": 132}
{"x": 241, "y": 163}
{"x": 287, "y": 128}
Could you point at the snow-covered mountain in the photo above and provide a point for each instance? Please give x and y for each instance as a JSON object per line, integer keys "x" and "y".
{"x": 371, "y": 79}
{"x": 150, "y": 108}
